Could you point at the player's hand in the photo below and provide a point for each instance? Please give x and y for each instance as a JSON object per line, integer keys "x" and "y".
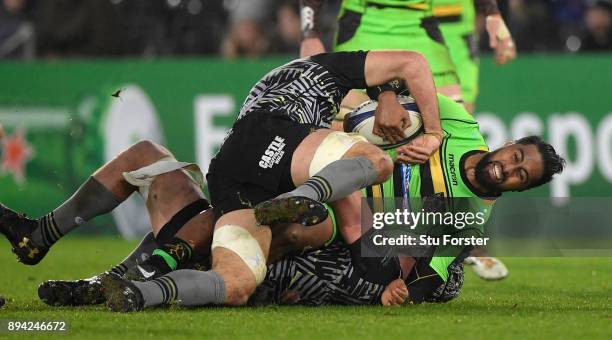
{"x": 311, "y": 46}
{"x": 419, "y": 150}
{"x": 390, "y": 118}
{"x": 500, "y": 39}
{"x": 395, "y": 293}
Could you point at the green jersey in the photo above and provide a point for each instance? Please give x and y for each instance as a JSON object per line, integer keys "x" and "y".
{"x": 443, "y": 176}
{"x": 443, "y": 173}
{"x": 455, "y": 14}
{"x": 359, "y": 6}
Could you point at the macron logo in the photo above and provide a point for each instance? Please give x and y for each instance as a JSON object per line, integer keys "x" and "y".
{"x": 273, "y": 153}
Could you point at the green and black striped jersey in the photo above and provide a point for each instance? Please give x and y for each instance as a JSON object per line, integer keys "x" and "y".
{"x": 441, "y": 176}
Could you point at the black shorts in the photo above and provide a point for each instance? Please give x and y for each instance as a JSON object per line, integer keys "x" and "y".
{"x": 254, "y": 162}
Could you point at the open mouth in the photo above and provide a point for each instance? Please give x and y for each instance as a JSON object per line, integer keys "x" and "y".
{"x": 496, "y": 172}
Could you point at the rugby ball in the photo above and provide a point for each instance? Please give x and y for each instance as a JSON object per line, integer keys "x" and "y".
{"x": 361, "y": 120}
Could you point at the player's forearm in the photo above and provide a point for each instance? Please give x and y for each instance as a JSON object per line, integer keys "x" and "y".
{"x": 418, "y": 78}
{"x": 309, "y": 14}
{"x": 413, "y": 69}
{"x": 487, "y": 7}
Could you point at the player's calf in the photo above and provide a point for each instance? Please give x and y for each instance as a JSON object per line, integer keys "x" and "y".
{"x": 100, "y": 194}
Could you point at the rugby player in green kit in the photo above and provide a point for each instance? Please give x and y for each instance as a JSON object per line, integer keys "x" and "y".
{"x": 413, "y": 25}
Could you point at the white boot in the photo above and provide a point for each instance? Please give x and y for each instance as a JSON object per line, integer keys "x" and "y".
{"x": 487, "y": 268}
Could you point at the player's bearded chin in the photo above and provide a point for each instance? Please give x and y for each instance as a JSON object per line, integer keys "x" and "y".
{"x": 483, "y": 171}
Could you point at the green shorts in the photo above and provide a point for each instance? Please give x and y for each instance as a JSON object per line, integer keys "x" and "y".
{"x": 397, "y": 28}
{"x": 463, "y": 48}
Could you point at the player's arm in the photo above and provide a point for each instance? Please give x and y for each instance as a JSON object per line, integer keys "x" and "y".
{"x": 499, "y": 36}
{"x": 309, "y": 17}
{"x": 358, "y": 70}
{"x": 382, "y": 67}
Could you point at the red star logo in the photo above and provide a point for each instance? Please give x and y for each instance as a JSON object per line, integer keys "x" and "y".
{"x": 15, "y": 153}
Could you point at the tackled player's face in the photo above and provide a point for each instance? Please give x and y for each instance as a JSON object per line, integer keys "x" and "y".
{"x": 514, "y": 167}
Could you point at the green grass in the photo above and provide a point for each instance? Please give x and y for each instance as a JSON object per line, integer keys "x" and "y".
{"x": 542, "y": 298}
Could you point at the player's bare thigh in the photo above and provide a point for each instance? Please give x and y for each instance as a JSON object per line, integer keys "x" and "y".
{"x": 168, "y": 194}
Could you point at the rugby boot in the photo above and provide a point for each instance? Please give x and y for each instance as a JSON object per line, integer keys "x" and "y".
{"x": 487, "y": 268}
{"x": 291, "y": 209}
{"x": 72, "y": 293}
{"x": 18, "y": 230}
{"x": 121, "y": 294}
{"x": 152, "y": 268}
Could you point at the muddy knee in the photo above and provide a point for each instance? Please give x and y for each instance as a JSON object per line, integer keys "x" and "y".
{"x": 383, "y": 164}
{"x": 291, "y": 236}
{"x": 381, "y": 160}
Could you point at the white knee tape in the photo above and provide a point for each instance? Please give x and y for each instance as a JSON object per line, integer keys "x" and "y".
{"x": 143, "y": 177}
{"x": 332, "y": 148}
{"x": 241, "y": 242}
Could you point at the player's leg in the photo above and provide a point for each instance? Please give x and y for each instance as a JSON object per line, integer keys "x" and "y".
{"x": 404, "y": 29}
{"x": 89, "y": 291}
{"x": 295, "y": 237}
{"x": 327, "y": 165}
{"x": 463, "y": 50}
{"x": 181, "y": 225}
{"x": 181, "y": 221}
{"x": 239, "y": 253}
{"x": 100, "y": 194}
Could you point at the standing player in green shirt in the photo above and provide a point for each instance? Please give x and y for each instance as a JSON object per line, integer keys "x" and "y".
{"x": 411, "y": 25}
{"x": 385, "y": 24}
{"x": 457, "y": 19}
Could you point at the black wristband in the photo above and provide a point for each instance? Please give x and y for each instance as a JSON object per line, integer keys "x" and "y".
{"x": 397, "y": 86}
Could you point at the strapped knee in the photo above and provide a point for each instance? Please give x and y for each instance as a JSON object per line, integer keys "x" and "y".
{"x": 332, "y": 148}
{"x": 242, "y": 243}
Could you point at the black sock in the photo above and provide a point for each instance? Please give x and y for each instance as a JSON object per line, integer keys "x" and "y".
{"x": 174, "y": 252}
{"x": 139, "y": 254}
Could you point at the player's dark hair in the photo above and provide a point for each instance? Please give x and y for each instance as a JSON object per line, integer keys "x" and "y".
{"x": 553, "y": 162}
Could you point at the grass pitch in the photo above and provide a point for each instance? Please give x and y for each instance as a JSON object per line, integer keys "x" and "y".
{"x": 542, "y": 298}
